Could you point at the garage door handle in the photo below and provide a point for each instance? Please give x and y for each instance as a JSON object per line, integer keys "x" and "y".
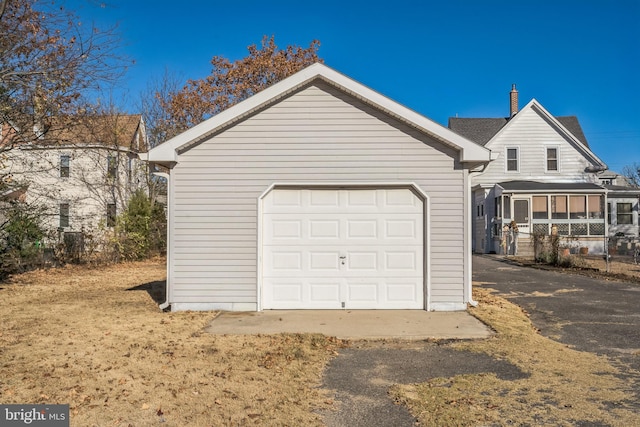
{"x": 343, "y": 257}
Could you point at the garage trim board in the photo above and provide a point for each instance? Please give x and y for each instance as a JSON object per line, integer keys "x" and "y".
{"x": 343, "y": 246}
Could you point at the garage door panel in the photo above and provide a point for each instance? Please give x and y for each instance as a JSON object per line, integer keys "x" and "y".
{"x": 401, "y": 261}
{"x": 363, "y": 292}
{"x": 284, "y": 229}
{"x": 399, "y": 291}
{"x": 323, "y": 229}
{"x": 324, "y": 261}
{"x": 368, "y": 198}
{"x": 358, "y": 229}
{"x": 286, "y": 261}
{"x": 363, "y": 248}
{"x": 401, "y": 229}
{"x": 283, "y": 199}
{"x": 284, "y": 292}
{"x": 362, "y": 261}
{"x": 322, "y": 198}
{"x": 402, "y": 199}
{"x": 324, "y": 292}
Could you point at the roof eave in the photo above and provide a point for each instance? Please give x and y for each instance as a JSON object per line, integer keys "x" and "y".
{"x": 469, "y": 151}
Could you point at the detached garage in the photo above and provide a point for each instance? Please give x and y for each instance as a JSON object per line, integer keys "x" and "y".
{"x": 318, "y": 193}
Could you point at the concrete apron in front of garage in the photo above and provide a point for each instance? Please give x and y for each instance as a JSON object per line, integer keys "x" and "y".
{"x": 354, "y": 324}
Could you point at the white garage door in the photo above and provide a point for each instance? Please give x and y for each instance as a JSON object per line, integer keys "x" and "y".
{"x": 343, "y": 248}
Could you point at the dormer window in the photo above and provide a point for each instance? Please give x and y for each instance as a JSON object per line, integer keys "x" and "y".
{"x": 512, "y": 159}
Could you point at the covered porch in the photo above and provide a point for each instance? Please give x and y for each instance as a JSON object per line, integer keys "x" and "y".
{"x": 524, "y": 209}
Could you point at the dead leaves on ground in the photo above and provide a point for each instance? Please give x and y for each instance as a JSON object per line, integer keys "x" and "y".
{"x": 565, "y": 387}
{"x": 79, "y": 336}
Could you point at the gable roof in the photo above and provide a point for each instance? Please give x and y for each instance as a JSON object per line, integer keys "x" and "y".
{"x": 481, "y": 130}
{"x": 109, "y": 130}
{"x": 102, "y": 130}
{"x": 568, "y": 127}
{"x": 168, "y": 151}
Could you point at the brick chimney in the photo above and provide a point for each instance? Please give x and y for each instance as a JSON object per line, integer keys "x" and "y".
{"x": 513, "y": 98}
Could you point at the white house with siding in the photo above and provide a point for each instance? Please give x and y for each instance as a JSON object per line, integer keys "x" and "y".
{"x": 544, "y": 175}
{"x": 81, "y": 171}
{"x": 318, "y": 193}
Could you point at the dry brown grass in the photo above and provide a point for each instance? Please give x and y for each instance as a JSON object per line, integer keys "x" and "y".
{"x": 79, "y": 336}
{"x": 565, "y": 387}
{"x": 593, "y": 266}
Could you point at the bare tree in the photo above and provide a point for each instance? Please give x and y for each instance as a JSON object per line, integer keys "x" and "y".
{"x": 632, "y": 174}
{"x": 152, "y": 105}
{"x": 48, "y": 60}
{"x": 49, "y": 63}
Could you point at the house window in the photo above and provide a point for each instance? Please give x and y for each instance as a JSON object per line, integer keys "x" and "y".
{"x": 507, "y": 207}
{"x": 130, "y": 170}
{"x": 497, "y": 206}
{"x": 577, "y": 207}
{"x": 609, "y": 213}
{"x": 559, "y": 207}
{"x": 64, "y": 215}
{"x": 512, "y": 160}
{"x": 111, "y": 215}
{"x": 111, "y": 166}
{"x": 596, "y": 206}
{"x": 64, "y": 166}
{"x": 552, "y": 159}
{"x": 624, "y": 213}
{"x": 540, "y": 207}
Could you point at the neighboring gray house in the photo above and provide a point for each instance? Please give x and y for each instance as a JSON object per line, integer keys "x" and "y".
{"x": 544, "y": 175}
{"x": 318, "y": 193}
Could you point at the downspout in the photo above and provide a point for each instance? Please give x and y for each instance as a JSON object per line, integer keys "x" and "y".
{"x": 606, "y": 230}
{"x": 467, "y": 241}
{"x": 166, "y": 176}
{"x": 467, "y": 218}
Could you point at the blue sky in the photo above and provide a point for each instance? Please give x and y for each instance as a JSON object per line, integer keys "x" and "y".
{"x": 576, "y": 57}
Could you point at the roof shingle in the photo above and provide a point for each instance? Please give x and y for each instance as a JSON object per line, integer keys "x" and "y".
{"x": 481, "y": 130}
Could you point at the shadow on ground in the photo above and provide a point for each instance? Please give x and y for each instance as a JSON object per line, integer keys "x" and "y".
{"x": 361, "y": 378}
{"x": 157, "y": 290}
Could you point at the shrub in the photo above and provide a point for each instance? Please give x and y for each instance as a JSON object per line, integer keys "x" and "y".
{"x": 140, "y": 230}
{"x": 22, "y": 233}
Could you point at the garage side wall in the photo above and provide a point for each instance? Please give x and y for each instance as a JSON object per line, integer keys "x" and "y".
{"x": 315, "y": 135}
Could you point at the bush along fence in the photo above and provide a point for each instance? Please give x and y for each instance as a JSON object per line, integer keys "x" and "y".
{"x": 624, "y": 248}
{"x": 139, "y": 232}
{"x": 562, "y": 250}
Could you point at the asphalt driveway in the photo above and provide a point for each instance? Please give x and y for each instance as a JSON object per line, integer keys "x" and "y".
{"x": 588, "y": 314}
{"x": 595, "y": 315}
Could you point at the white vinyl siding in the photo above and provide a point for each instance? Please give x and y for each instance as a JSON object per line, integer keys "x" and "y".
{"x": 85, "y": 188}
{"x": 531, "y": 134}
{"x": 317, "y": 135}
